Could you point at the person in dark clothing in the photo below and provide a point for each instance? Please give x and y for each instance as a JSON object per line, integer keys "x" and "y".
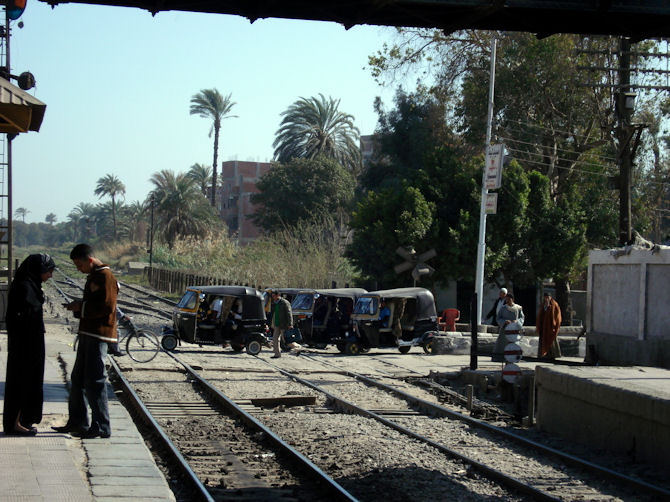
{"x": 25, "y": 355}
{"x": 500, "y": 301}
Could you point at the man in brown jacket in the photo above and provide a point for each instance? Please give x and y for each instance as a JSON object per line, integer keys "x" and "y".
{"x": 97, "y": 327}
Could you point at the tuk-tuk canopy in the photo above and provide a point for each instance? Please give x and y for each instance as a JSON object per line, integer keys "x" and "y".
{"x": 425, "y": 302}
{"x": 305, "y": 298}
{"x": 252, "y": 304}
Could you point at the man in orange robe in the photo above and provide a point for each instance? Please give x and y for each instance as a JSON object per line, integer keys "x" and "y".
{"x": 548, "y": 324}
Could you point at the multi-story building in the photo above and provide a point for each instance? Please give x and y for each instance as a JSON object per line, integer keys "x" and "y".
{"x": 238, "y": 182}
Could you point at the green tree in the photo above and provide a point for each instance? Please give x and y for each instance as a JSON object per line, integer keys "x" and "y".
{"x": 382, "y": 222}
{"x": 180, "y": 208}
{"x": 210, "y": 104}
{"x": 202, "y": 175}
{"x": 110, "y": 185}
{"x": 302, "y": 190}
{"x": 316, "y": 127}
{"x": 21, "y": 212}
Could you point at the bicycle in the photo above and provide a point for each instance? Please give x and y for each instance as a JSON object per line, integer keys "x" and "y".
{"x": 141, "y": 344}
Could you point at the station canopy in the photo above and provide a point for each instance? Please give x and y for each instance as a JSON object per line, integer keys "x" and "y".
{"x": 637, "y": 19}
{"x": 19, "y": 111}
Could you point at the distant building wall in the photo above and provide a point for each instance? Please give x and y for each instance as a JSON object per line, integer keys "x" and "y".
{"x": 238, "y": 183}
{"x": 628, "y": 299}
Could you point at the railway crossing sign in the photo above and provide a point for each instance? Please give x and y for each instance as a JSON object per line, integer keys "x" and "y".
{"x": 415, "y": 262}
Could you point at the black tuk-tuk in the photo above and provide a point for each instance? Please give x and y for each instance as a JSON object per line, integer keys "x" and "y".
{"x": 410, "y": 319}
{"x": 324, "y": 315}
{"x": 214, "y": 315}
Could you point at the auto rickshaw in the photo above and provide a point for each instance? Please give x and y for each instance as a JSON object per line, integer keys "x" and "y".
{"x": 213, "y": 315}
{"x": 411, "y": 319}
{"x": 324, "y": 315}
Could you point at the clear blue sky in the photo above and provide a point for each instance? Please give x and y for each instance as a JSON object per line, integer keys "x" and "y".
{"x": 117, "y": 83}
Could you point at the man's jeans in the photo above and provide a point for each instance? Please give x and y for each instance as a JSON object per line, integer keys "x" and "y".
{"x": 89, "y": 386}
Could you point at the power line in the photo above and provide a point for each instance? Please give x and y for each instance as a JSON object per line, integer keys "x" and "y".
{"x": 579, "y": 154}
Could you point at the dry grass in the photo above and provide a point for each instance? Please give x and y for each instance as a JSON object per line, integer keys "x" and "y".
{"x": 309, "y": 256}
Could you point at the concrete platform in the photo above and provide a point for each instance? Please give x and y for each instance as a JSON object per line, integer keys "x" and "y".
{"x": 54, "y": 467}
{"x": 624, "y": 410}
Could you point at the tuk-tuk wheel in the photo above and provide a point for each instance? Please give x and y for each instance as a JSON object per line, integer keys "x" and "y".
{"x": 341, "y": 346}
{"x": 429, "y": 346}
{"x": 254, "y": 347}
{"x": 169, "y": 342}
{"x": 237, "y": 347}
{"x": 320, "y": 345}
{"x": 352, "y": 348}
{"x": 404, "y": 349}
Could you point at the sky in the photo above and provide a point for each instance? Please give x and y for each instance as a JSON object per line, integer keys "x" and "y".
{"x": 118, "y": 82}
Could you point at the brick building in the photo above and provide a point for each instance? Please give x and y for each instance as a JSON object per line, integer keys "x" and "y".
{"x": 238, "y": 182}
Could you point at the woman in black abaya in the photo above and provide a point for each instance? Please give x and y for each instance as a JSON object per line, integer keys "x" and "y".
{"x": 25, "y": 355}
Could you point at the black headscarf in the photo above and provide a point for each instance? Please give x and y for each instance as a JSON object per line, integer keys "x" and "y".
{"x": 34, "y": 266}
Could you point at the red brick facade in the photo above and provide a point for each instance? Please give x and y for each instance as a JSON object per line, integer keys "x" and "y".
{"x": 238, "y": 182}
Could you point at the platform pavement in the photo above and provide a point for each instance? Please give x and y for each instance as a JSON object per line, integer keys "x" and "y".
{"x": 53, "y": 467}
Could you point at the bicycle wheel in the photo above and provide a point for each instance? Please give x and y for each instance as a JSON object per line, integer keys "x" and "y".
{"x": 142, "y": 346}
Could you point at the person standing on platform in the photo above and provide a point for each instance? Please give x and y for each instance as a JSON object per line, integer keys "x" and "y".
{"x": 500, "y": 301}
{"x": 96, "y": 312}
{"x": 509, "y": 313}
{"x": 24, "y": 396}
{"x": 548, "y": 324}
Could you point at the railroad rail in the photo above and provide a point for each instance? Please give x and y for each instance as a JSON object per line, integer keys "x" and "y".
{"x": 206, "y": 458}
{"x": 430, "y": 409}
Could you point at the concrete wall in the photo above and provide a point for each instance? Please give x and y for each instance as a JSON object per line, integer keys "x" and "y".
{"x": 624, "y": 410}
{"x": 628, "y": 300}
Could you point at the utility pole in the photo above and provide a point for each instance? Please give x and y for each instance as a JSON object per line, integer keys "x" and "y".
{"x": 624, "y": 132}
{"x": 481, "y": 245}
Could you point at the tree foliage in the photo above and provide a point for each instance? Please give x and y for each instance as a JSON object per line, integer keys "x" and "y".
{"x": 302, "y": 190}
{"x": 316, "y": 127}
{"x": 180, "y": 208}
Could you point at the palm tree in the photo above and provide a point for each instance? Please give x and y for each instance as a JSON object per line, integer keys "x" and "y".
{"x": 202, "y": 175}
{"x": 209, "y": 103}
{"x": 21, "y": 212}
{"x": 83, "y": 217}
{"x": 50, "y": 218}
{"x": 180, "y": 207}
{"x": 315, "y": 126}
{"x": 112, "y": 186}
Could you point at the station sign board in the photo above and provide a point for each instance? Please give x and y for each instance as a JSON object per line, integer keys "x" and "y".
{"x": 494, "y": 164}
{"x": 491, "y": 203}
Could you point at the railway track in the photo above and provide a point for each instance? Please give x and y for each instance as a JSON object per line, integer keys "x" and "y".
{"x": 223, "y": 452}
{"x": 576, "y": 477}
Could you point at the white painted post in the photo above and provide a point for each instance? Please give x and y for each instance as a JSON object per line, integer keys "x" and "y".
{"x": 481, "y": 245}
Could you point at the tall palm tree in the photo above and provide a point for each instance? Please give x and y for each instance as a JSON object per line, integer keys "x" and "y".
{"x": 83, "y": 217}
{"x": 315, "y": 126}
{"x": 21, "y": 212}
{"x": 112, "y": 186}
{"x": 180, "y": 207}
{"x": 209, "y": 103}
{"x": 202, "y": 175}
{"x": 50, "y": 218}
